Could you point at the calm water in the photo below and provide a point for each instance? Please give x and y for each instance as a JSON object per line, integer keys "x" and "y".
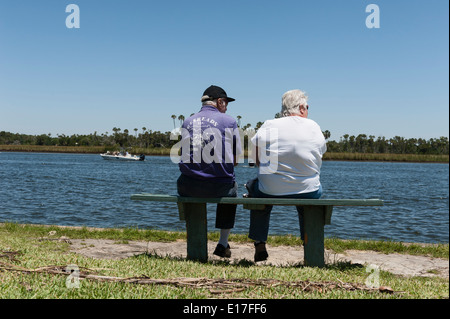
{"x": 85, "y": 190}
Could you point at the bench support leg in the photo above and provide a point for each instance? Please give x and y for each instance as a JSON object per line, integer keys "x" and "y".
{"x": 196, "y": 229}
{"x": 314, "y": 221}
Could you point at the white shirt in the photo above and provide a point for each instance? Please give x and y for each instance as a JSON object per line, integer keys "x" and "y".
{"x": 290, "y": 155}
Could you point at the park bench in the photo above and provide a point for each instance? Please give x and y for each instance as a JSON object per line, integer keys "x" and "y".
{"x": 317, "y": 214}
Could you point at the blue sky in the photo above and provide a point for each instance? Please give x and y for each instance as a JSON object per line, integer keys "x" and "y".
{"x": 134, "y": 63}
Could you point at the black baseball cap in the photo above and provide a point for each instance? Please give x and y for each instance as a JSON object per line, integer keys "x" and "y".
{"x": 215, "y": 92}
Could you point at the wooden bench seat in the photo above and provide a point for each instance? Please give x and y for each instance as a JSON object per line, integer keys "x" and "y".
{"x": 317, "y": 214}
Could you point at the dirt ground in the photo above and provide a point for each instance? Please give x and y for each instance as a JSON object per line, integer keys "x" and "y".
{"x": 400, "y": 264}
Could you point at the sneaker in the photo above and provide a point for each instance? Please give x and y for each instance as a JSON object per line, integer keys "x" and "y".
{"x": 221, "y": 251}
{"x": 260, "y": 252}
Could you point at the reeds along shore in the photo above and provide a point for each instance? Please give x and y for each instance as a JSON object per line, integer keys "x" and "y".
{"x": 378, "y": 157}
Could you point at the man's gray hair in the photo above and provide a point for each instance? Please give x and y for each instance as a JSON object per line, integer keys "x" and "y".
{"x": 291, "y": 102}
{"x": 206, "y": 101}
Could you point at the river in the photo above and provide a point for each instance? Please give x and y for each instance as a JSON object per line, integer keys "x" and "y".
{"x": 85, "y": 190}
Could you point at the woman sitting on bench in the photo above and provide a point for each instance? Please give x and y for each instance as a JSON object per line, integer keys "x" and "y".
{"x": 288, "y": 152}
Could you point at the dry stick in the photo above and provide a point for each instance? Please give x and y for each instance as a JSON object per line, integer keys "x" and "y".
{"x": 231, "y": 285}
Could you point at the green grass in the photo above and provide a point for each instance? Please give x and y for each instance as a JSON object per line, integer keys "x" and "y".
{"x": 166, "y": 152}
{"x": 376, "y": 157}
{"x": 54, "y": 149}
{"x": 16, "y": 280}
{"x": 389, "y": 247}
{"x": 130, "y": 234}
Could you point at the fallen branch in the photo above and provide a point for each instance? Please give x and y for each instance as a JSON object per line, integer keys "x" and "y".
{"x": 11, "y": 255}
{"x": 215, "y": 286}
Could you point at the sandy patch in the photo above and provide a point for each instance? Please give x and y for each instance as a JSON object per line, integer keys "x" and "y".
{"x": 400, "y": 264}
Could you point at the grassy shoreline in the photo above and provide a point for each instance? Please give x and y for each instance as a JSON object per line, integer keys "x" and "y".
{"x": 438, "y": 250}
{"x": 33, "y": 266}
{"x": 416, "y": 158}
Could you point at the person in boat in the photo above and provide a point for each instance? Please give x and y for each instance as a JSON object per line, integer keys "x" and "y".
{"x": 289, "y": 154}
{"x": 211, "y": 174}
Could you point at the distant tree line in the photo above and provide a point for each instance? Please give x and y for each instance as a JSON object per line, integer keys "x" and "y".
{"x": 396, "y": 145}
{"x": 118, "y": 138}
{"x": 146, "y": 138}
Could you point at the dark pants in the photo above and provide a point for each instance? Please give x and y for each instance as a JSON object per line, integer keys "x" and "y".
{"x": 259, "y": 219}
{"x": 225, "y": 213}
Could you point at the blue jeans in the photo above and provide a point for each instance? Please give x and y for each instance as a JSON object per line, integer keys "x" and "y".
{"x": 259, "y": 219}
{"x": 225, "y": 213}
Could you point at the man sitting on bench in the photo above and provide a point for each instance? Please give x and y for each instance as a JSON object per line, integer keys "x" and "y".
{"x": 209, "y": 148}
{"x": 289, "y": 154}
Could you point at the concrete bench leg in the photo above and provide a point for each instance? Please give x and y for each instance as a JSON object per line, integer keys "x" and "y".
{"x": 314, "y": 222}
{"x": 196, "y": 229}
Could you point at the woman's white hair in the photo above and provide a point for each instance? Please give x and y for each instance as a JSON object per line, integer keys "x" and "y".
{"x": 292, "y": 101}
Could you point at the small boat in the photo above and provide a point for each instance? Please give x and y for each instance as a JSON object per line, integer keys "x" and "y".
{"x": 122, "y": 156}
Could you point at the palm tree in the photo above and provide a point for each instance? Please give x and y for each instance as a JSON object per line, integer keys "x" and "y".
{"x": 181, "y": 119}
{"x": 258, "y": 125}
{"x": 173, "y": 118}
{"x": 239, "y": 120}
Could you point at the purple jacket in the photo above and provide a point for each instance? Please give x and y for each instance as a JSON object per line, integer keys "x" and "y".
{"x": 210, "y": 140}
